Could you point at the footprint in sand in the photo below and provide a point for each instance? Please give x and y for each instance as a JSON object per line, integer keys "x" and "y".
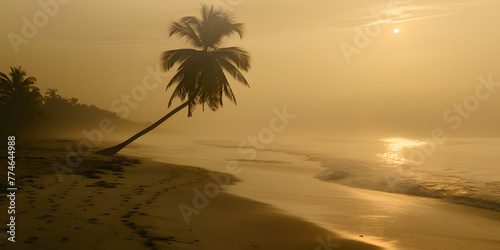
{"x": 31, "y": 239}
{"x": 92, "y": 220}
{"x": 44, "y": 216}
{"x": 139, "y": 191}
{"x": 131, "y": 225}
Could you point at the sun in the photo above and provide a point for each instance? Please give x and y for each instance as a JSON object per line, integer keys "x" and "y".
{"x": 396, "y": 30}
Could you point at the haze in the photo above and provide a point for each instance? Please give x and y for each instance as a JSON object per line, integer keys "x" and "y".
{"x": 394, "y": 85}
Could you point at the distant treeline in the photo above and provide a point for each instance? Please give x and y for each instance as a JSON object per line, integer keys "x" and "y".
{"x": 66, "y": 118}
{"x": 26, "y": 113}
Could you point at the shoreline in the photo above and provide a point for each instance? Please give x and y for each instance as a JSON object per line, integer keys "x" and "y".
{"x": 389, "y": 220}
{"x": 121, "y": 202}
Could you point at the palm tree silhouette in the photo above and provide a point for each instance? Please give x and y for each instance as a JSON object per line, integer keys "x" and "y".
{"x": 73, "y": 101}
{"x": 52, "y": 94}
{"x": 20, "y": 101}
{"x": 200, "y": 76}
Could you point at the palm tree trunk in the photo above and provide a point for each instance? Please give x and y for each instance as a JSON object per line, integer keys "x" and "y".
{"x": 20, "y": 131}
{"x": 113, "y": 150}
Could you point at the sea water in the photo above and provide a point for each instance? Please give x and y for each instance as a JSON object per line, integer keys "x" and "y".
{"x": 460, "y": 170}
{"x": 369, "y": 187}
{"x": 464, "y": 171}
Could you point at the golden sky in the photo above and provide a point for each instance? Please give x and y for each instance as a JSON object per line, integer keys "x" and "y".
{"x": 337, "y": 65}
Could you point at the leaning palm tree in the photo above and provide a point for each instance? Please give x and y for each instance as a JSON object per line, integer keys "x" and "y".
{"x": 20, "y": 101}
{"x": 200, "y": 76}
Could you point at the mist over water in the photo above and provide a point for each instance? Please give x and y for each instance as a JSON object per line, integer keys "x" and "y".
{"x": 338, "y": 127}
{"x": 459, "y": 171}
{"x": 397, "y": 85}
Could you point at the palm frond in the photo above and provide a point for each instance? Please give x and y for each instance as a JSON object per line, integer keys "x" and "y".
{"x": 171, "y": 57}
{"x": 226, "y": 88}
{"x": 232, "y": 70}
{"x": 236, "y": 55}
{"x": 183, "y": 30}
{"x": 29, "y": 81}
{"x": 200, "y": 76}
{"x": 4, "y": 78}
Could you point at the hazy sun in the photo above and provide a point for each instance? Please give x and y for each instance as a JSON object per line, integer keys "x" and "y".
{"x": 396, "y": 30}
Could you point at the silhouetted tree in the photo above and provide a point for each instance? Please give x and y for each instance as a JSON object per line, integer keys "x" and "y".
{"x": 73, "y": 101}
{"x": 20, "y": 101}
{"x": 200, "y": 76}
{"x": 52, "y": 94}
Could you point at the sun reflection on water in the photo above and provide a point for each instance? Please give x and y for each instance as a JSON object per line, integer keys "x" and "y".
{"x": 396, "y": 147}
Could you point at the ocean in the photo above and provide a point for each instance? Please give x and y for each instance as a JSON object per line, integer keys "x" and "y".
{"x": 461, "y": 170}
{"x": 376, "y": 188}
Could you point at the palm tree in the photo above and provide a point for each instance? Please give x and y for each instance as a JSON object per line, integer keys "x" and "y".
{"x": 20, "y": 101}
{"x": 52, "y": 94}
{"x": 200, "y": 76}
{"x": 73, "y": 101}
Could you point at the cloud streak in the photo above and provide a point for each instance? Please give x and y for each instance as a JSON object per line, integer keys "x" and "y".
{"x": 399, "y": 12}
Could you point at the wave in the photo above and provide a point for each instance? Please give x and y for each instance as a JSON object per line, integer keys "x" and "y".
{"x": 404, "y": 179}
{"x": 263, "y": 161}
{"x": 393, "y": 178}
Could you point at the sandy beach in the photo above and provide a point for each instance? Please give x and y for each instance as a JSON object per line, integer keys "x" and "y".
{"x": 388, "y": 220}
{"x": 234, "y": 125}
{"x": 130, "y": 203}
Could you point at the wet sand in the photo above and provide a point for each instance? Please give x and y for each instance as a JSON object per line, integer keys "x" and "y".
{"x": 389, "y": 220}
{"x": 126, "y": 203}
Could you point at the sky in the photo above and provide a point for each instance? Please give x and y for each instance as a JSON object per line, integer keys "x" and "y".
{"x": 337, "y": 65}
